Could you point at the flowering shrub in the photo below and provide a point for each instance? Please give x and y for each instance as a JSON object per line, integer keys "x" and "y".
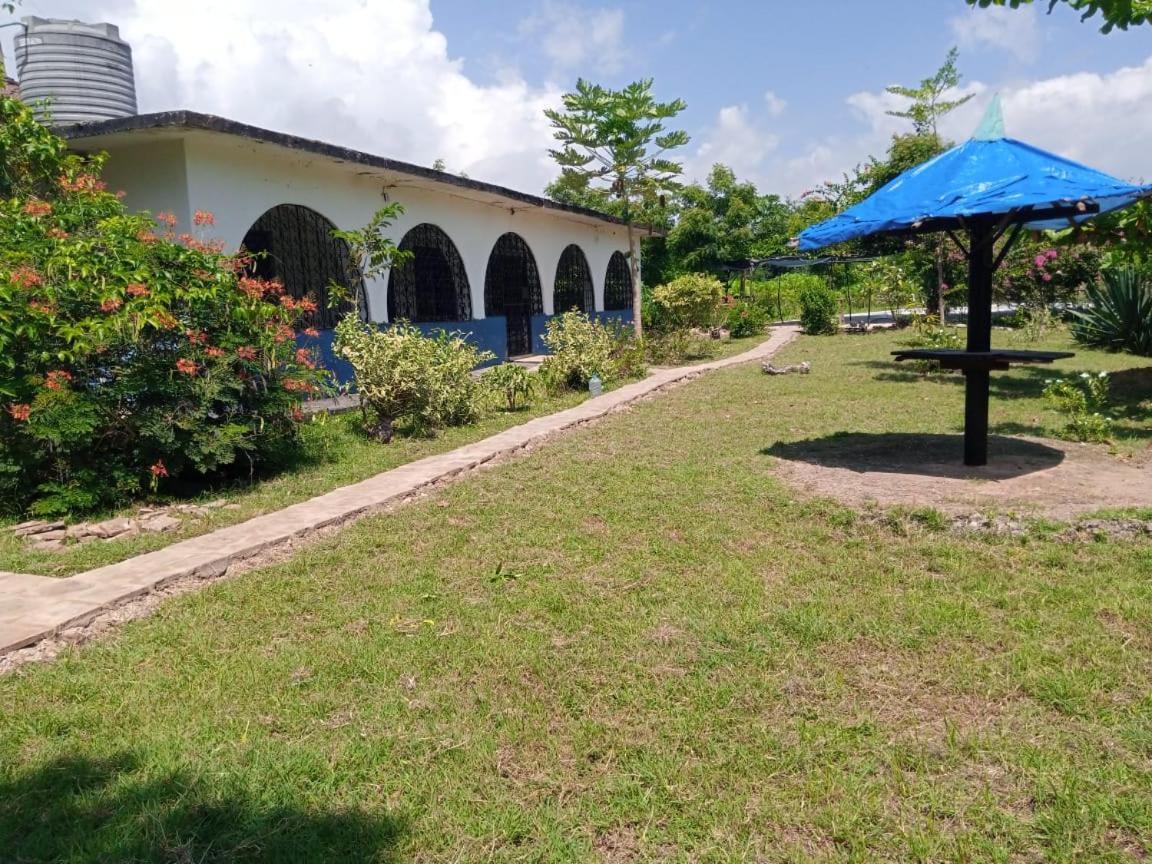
{"x": 130, "y": 359}
{"x": 1037, "y": 275}
{"x": 405, "y": 376}
{"x": 1084, "y": 403}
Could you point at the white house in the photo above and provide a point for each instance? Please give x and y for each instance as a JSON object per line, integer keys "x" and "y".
{"x": 487, "y": 260}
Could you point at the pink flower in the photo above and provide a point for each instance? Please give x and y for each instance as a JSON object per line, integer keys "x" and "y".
{"x": 1041, "y": 260}
{"x": 159, "y": 469}
{"x": 1052, "y": 254}
{"x": 1047, "y": 277}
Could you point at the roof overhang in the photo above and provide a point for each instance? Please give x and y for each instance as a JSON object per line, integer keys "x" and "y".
{"x": 105, "y": 134}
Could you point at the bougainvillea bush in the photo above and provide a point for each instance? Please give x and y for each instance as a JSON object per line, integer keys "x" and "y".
{"x": 131, "y": 359}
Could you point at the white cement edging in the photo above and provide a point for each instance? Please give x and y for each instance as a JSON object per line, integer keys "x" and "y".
{"x": 33, "y": 608}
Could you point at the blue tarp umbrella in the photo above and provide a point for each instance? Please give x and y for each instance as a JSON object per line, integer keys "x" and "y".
{"x": 988, "y": 187}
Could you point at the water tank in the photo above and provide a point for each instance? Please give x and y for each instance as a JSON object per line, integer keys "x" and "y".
{"x": 84, "y": 71}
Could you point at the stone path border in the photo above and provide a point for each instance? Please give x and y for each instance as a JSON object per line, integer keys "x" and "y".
{"x": 35, "y": 608}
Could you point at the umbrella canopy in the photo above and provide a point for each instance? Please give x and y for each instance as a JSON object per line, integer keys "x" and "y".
{"x": 988, "y": 175}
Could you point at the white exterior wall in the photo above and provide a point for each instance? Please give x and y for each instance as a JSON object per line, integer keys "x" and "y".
{"x": 238, "y": 179}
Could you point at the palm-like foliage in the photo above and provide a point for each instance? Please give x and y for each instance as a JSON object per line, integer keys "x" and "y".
{"x": 1120, "y": 315}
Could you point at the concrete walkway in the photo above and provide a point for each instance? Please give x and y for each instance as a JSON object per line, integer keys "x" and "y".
{"x": 33, "y": 608}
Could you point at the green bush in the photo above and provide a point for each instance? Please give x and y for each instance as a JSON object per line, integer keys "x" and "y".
{"x": 694, "y": 300}
{"x": 1119, "y": 317}
{"x": 818, "y": 310}
{"x": 130, "y": 358}
{"x": 510, "y": 384}
{"x": 404, "y": 376}
{"x": 1084, "y": 403}
{"x": 781, "y": 295}
{"x": 680, "y": 346}
{"x": 579, "y": 347}
{"x": 746, "y": 319}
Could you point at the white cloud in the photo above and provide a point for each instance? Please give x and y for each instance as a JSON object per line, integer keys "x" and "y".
{"x": 376, "y": 76}
{"x": 1015, "y": 31}
{"x": 774, "y": 103}
{"x": 571, "y": 35}
{"x": 737, "y": 141}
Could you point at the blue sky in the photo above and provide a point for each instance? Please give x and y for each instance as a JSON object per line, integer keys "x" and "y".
{"x": 789, "y": 93}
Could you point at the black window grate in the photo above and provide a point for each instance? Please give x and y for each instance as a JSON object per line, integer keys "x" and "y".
{"x": 299, "y": 250}
{"x": 618, "y": 283}
{"x": 573, "y": 286}
{"x": 511, "y": 278}
{"x": 433, "y": 284}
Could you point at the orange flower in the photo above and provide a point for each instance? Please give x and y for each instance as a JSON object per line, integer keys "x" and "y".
{"x": 36, "y": 207}
{"x": 20, "y": 412}
{"x": 196, "y": 338}
{"x": 188, "y": 367}
{"x": 166, "y": 320}
{"x": 304, "y": 358}
{"x": 165, "y": 218}
{"x": 293, "y": 385}
{"x": 159, "y": 469}
{"x": 287, "y": 302}
{"x": 244, "y": 352}
{"x": 57, "y": 233}
{"x": 57, "y": 379}
{"x": 26, "y": 277}
{"x": 214, "y": 352}
{"x": 82, "y": 183}
{"x": 146, "y": 236}
{"x": 111, "y": 304}
{"x": 307, "y": 305}
{"x": 298, "y": 414}
{"x": 284, "y": 333}
{"x": 311, "y": 331}
{"x": 43, "y": 307}
{"x": 137, "y": 289}
{"x": 203, "y": 217}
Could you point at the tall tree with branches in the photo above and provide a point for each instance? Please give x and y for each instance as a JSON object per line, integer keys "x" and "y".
{"x": 617, "y": 140}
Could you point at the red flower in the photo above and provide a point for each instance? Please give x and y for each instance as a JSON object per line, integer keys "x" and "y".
{"x": 168, "y": 219}
{"x": 294, "y": 385}
{"x": 298, "y": 414}
{"x": 137, "y": 289}
{"x": 43, "y": 307}
{"x": 203, "y": 217}
{"x": 311, "y": 331}
{"x": 111, "y": 304}
{"x": 159, "y": 469}
{"x": 196, "y": 337}
{"x": 306, "y": 305}
{"x": 35, "y": 207}
{"x": 82, "y": 183}
{"x": 57, "y": 379}
{"x": 287, "y": 302}
{"x": 26, "y": 277}
{"x": 20, "y": 412}
{"x": 284, "y": 333}
{"x": 146, "y": 236}
{"x": 244, "y": 352}
{"x": 188, "y": 367}
{"x": 304, "y": 358}
{"x": 166, "y": 320}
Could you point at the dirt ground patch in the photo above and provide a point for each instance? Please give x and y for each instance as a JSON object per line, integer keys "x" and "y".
{"x": 1046, "y": 478}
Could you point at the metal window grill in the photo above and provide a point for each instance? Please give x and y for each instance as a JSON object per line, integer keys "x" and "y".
{"x": 511, "y": 278}
{"x": 432, "y": 285}
{"x": 299, "y": 250}
{"x": 618, "y": 283}
{"x": 573, "y": 286}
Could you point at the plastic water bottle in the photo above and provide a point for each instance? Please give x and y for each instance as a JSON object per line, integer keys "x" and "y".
{"x": 595, "y": 386}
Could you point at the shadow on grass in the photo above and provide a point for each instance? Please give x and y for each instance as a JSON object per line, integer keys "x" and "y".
{"x": 78, "y": 809}
{"x": 925, "y": 454}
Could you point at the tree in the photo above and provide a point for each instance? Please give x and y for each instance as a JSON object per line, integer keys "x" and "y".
{"x": 617, "y": 139}
{"x": 1116, "y": 13}
{"x": 928, "y": 106}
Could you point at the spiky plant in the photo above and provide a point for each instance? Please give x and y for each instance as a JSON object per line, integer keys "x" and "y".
{"x": 1120, "y": 315}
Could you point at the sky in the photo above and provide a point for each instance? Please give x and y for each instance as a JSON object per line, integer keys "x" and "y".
{"x": 788, "y": 93}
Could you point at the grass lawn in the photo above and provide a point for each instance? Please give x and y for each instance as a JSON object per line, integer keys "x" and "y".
{"x": 633, "y": 644}
{"x": 336, "y": 454}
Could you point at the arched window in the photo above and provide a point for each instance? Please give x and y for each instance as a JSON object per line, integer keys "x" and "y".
{"x": 432, "y": 284}
{"x": 294, "y": 245}
{"x": 618, "y": 283}
{"x": 512, "y": 289}
{"x": 573, "y": 286}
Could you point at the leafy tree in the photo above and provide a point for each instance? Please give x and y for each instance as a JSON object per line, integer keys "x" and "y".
{"x": 617, "y": 141}
{"x": 1116, "y": 13}
{"x": 928, "y": 102}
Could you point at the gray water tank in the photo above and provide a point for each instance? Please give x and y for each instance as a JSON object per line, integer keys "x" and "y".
{"x": 84, "y": 71}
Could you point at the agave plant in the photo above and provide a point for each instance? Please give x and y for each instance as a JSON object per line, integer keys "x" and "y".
{"x": 1120, "y": 315}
